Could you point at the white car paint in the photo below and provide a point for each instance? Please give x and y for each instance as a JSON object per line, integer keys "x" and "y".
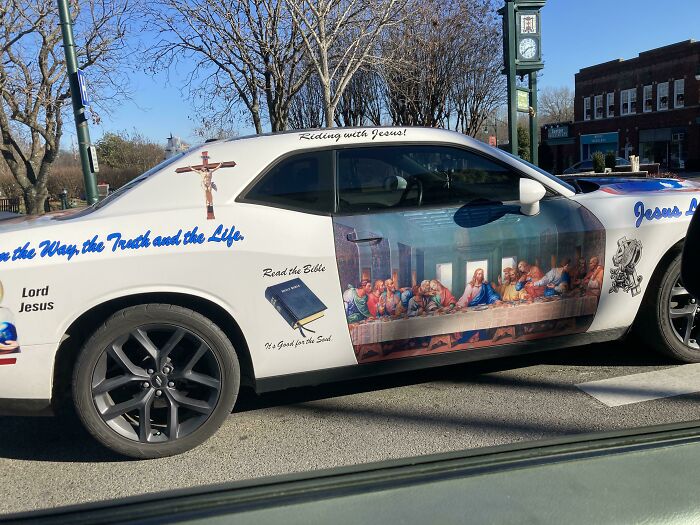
{"x": 230, "y": 276}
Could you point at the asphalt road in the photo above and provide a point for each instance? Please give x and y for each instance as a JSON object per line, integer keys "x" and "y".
{"x": 47, "y": 462}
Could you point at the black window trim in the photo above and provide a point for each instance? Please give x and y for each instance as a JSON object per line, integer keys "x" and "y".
{"x": 333, "y": 149}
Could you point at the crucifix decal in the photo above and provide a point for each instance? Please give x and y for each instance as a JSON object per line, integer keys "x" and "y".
{"x": 206, "y": 171}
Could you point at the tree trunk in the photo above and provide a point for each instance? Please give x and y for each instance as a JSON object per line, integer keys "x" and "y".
{"x": 34, "y": 202}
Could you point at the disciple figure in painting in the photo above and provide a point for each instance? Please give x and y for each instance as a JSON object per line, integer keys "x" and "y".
{"x": 393, "y": 305}
{"x": 507, "y": 286}
{"x": 478, "y": 292}
{"x": 421, "y": 301}
{"x": 593, "y": 281}
{"x": 529, "y": 274}
{"x": 556, "y": 281}
{"x": 355, "y": 299}
{"x": 441, "y": 296}
{"x": 375, "y": 302}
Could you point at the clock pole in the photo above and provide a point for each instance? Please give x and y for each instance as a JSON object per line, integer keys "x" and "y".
{"x": 522, "y": 55}
{"x": 534, "y": 128}
{"x": 510, "y": 54}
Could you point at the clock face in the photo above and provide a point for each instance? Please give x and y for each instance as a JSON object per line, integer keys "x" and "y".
{"x": 528, "y": 48}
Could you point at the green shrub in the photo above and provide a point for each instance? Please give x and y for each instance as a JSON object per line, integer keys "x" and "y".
{"x": 599, "y": 162}
{"x": 610, "y": 160}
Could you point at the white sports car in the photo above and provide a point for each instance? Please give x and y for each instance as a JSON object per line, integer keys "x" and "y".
{"x": 307, "y": 257}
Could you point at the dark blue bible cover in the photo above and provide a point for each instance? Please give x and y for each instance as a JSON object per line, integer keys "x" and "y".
{"x": 295, "y": 302}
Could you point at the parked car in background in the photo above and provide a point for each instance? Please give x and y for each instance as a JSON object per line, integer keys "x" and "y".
{"x": 587, "y": 165}
{"x": 306, "y": 257}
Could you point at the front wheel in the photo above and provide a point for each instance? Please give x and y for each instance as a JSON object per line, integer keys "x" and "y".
{"x": 155, "y": 380}
{"x": 669, "y": 317}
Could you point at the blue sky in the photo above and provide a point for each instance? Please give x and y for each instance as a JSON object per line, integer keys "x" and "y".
{"x": 576, "y": 34}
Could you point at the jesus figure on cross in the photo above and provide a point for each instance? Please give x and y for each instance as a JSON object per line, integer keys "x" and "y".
{"x": 206, "y": 170}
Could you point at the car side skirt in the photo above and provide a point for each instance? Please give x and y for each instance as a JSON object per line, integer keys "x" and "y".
{"x": 345, "y": 373}
{"x": 25, "y": 407}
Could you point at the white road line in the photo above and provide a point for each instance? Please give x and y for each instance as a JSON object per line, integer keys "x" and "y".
{"x": 635, "y": 388}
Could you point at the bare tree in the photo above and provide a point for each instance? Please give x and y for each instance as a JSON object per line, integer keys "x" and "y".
{"x": 34, "y": 87}
{"x": 306, "y": 110}
{"x": 419, "y": 82}
{"x": 480, "y": 86}
{"x": 245, "y": 52}
{"x": 361, "y": 102}
{"x": 556, "y": 104}
{"x": 448, "y": 71}
{"x": 340, "y": 37}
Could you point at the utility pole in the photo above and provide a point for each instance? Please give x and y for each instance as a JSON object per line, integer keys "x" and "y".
{"x": 81, "y": 125}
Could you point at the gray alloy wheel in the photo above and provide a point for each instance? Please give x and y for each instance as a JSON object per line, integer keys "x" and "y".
{"x": 683, "y": 315}
{"x": 668, "y": 318}
{"x": 155, "y": 380}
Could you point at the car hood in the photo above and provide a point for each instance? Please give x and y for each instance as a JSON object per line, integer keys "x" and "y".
{"x": 22, "y": 222}
{"x": 630, "y": 185}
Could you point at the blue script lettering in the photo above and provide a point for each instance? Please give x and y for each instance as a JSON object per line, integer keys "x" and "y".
{"x": 641, "y": 213}
{"x": 193, "y": 237}
{"x": 173, "y": 240}
{"x": 23, "y": 252}
{"x": 227, "y": 235}
{"x": 91, "y": 245}
{"x": 693, "y": 206}
{"x": 142, "y": 241}
{"x": 50, "y": 248}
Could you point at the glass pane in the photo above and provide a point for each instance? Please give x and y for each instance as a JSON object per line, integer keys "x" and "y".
{"x": 304, "y": 181}
{"x": 408, "y": 176}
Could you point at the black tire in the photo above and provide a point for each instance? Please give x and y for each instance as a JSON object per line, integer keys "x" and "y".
{"x": 182, "y": 378}
{"x": 658, "y": 327}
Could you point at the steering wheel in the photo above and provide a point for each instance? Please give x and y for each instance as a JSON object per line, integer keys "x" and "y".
{"x": 413, "y": 182}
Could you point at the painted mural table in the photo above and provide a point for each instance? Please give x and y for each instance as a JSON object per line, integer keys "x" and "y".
{"x": 507, "y": 314}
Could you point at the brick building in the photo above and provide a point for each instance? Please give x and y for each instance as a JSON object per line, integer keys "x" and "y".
{"x": 647, "y": 106}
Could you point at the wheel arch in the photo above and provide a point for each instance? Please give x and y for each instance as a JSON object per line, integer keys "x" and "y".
{"x": 84, "y": 325}
{"x": 659, "y": 270}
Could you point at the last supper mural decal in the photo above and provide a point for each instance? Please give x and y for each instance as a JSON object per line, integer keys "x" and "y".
{"x": 415, "y": 282}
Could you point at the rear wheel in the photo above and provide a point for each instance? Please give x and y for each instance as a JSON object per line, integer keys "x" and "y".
{"x": 669, "y": 317}
{"x": 155, "y": 380}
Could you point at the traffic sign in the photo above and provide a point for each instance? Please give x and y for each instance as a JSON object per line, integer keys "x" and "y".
{"x": 82, "y": 85}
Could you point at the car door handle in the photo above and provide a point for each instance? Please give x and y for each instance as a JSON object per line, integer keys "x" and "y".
{"x": 350, "y": 238}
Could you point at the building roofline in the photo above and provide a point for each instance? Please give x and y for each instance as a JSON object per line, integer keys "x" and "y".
{"x": 644, "y": 54}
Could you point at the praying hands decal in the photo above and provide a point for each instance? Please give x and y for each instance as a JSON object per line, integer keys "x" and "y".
{"x": 206, "y": 170}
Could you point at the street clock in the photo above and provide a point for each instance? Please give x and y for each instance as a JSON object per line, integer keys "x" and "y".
{"x": 528, "y": 36}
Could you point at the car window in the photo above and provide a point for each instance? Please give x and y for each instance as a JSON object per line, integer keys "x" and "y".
{"x": 377, "y": 178}
{"x": 303, "y": 182}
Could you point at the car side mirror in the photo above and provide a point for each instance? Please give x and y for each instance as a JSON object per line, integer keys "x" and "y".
{"x": 531, "y": 193}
